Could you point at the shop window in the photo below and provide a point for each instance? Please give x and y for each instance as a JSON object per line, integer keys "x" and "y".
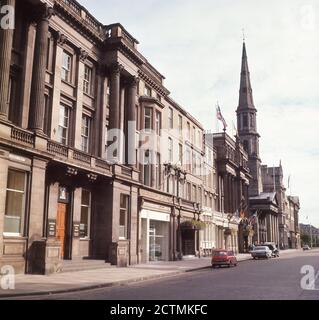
{"x": 15, "y": 203}
{"x": 85, "y": 213}
{"x": 124, "y": 210}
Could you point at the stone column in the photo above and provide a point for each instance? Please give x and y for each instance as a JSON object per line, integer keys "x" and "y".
{"x": 6, "y": 41}
{"x": 115, "y": 106}
{"x": 39, "y": 68}
{"x": 134, "y": 220}
{"x": 131, "y": 119}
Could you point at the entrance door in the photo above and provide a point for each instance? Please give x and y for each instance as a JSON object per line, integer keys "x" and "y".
{"x": 188, "y": 242}
{"x": 61, "y": 226}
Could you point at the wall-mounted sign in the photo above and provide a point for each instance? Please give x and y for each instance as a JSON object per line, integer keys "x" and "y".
{"x": 51, "y": 228}
{"x": 76, "y": 230}
{"x": 63, "y": 195}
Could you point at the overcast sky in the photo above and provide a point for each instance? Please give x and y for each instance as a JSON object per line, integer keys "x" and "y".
{"x": 197, "y": 45}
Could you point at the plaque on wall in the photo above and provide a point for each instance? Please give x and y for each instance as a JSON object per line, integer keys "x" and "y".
{"x": 63, "y": 195}
{"x": 76, "y": 230}
{"x": 51, "y": 228}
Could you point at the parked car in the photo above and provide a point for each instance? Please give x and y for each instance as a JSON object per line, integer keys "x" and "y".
{"x": 261, "y": 252}
{"x": 306, "y": 248}
{"x": 273, "y": 248}
{"x": 224, "y": 258}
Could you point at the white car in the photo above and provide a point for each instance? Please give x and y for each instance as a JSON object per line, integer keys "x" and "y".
{"x": 261, "y": 252}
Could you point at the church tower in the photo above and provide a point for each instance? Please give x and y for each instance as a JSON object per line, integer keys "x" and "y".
{"x": 247, "y": 126}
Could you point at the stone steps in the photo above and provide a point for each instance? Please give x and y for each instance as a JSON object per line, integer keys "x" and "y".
{"x": 83, "y": 265}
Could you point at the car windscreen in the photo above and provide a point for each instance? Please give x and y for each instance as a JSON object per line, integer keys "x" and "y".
{"x": 220, "y": 253}
{"x": 260, "y": 248}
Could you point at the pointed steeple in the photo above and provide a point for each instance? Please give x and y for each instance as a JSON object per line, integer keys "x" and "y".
{"x": 246, "y": 100}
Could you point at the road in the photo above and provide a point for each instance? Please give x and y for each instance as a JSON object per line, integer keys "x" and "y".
{"x": 275, "y": 279}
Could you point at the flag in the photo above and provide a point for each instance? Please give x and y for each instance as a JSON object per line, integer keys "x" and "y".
{"x": 235, "y": 131}
{"x": 220, "y": 117}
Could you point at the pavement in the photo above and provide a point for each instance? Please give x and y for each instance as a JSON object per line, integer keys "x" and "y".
{"x": 37, "y": 285}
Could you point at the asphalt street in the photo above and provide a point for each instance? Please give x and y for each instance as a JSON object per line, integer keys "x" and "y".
{"x": 274, "y": 279}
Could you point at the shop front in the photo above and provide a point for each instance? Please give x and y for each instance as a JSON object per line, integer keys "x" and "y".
{"x": 155, "y": 232}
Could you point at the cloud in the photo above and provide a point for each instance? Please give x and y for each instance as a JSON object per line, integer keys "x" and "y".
{"x": 197, "y": 46}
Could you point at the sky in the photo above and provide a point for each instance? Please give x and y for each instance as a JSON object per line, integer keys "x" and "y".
{"x": 197, "y": 46}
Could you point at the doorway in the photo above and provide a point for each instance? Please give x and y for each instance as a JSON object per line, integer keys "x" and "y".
{"x": 61, "y": 227}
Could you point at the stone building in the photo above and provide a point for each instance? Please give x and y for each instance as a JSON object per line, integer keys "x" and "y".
{"x": 97, "y": 161}
{"x": 293, "y": 222}
{"x": 261, "y": 201}
{"x": 232, "y": 184}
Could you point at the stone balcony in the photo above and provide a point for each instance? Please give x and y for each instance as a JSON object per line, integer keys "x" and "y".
{"x": 26, "y": 140}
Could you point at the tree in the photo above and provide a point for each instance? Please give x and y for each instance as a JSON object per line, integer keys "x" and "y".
{"x": 305, "y": 239}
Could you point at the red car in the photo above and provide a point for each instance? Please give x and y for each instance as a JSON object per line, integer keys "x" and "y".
{"x": 224, "y": 258}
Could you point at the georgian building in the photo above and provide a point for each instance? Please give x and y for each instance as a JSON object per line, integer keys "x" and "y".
{"x": 96, "y": 159}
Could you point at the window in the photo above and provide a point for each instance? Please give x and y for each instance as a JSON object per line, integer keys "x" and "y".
{"x": 147, "y": 168}
{"x": 159, "y": 98}
{"x": 85, "y": 213}
{"x": 170, "y": 118}
{"x": 66, "y": 67}
{"x": 158, "y": 171}
{"x": 188, "y": 131}
{"x": 85, "y": 133}
{"x": 124, "y": 210}
{"x": 158, "y": 123}
{"x": 170, "y": 150}
{"x": 188, "y": 160}
{"x": 194, "y": 135}
{"x": 193, "y": 163}
{"x": 47, "y": 115}
{"x": 148, "y": 116}
{"x": 245, "y": 120}
{"x": 194, "y": 196}
{"x": 13, "y": 98}
{"x": 189, "y": 191}
{"x": 199, "y": 195}
{"x": 180, "y": 124}
{"x": 63, "y": 129}
{"x": 180, "y": 154}
{"x": 15, "y": 203}
{"x": 87, "y": 81}
{"x": 147, "y": 91}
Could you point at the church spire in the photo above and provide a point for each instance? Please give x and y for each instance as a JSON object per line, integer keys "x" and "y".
{"x": 246, "y": 100}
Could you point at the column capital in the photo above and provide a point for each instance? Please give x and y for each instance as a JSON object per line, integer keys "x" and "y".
{"x": 43, "y": 12}
{"x": 116, "y": 68}
{"x": 83, "y": 55}
{"x": 60, "y": 38}
{"x": 133, "y": 81}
